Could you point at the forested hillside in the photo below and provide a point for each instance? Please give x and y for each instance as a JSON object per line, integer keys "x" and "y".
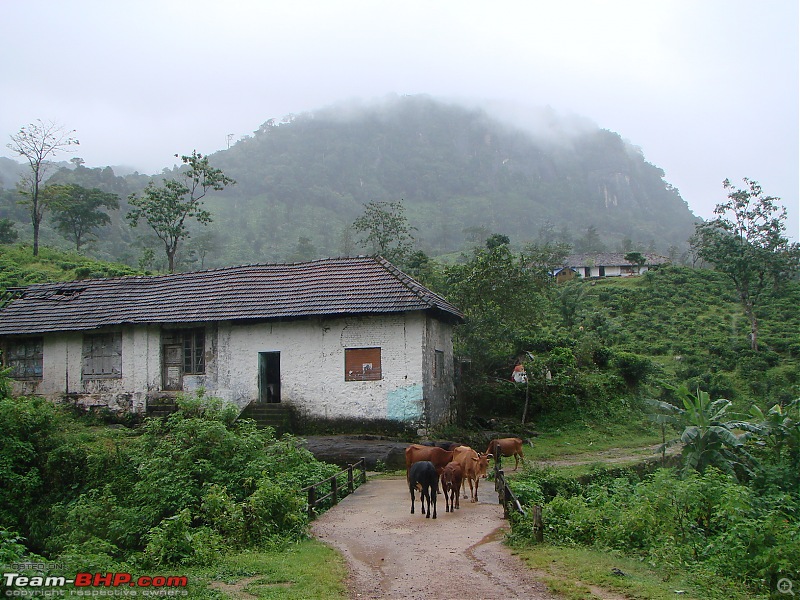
{"x": 460, "y": 174}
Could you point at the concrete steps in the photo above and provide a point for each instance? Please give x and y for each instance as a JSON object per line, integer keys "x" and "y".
{"x": 161, "y": 407}
{"x": 274, "y": 415}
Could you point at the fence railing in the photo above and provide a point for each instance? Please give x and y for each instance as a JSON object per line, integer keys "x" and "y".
{"x": 509, "y": 501}
{"x": 314, "y": 499}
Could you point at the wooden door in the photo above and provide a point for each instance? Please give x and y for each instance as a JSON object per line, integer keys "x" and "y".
{"x": 172, "y": 374}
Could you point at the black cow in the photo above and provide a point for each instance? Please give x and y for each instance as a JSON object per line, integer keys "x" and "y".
{"x": 423, "y": 476}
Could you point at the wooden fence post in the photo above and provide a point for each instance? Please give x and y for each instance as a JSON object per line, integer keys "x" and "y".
{"x": 312, "y": 500}
{"x": 538, "y": 526}
{"x": 350, "y": 479}
{"x": 335, "y": 489}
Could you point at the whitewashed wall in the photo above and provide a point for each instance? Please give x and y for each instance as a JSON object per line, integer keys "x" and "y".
{"x": 312, "y": 367}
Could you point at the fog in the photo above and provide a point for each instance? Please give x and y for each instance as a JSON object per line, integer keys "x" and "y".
{"x": 708, "y": 89}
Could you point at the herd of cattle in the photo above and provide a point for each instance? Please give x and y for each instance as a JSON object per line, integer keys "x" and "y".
{"x": 453, "y": 465}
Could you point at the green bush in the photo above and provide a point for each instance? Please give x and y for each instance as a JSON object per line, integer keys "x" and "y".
{"x": 633, "y": 368}
{"x": 707, "y": 522}
{"x": 175, "y": 541}
{"x": 174, "y": 489}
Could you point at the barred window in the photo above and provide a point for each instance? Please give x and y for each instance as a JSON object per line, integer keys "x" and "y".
{"x": 25, "y": 358}
{"x": 102, "y": 356}
{"x": 362, "y": 364}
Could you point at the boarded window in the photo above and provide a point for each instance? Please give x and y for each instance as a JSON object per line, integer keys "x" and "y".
{"x": 102, "y": 356}
{"x": 25, "y": 358}
{"x": 362, "y": 364}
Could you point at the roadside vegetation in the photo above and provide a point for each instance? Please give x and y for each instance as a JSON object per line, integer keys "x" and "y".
{"x": 186, "y": 492}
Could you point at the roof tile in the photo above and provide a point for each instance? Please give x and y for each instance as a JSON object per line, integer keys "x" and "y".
{"x": 326, "y": 287}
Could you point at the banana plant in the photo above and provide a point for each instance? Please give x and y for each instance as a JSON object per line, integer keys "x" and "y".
{"x": 779, "y": 429}
{"x": 710, "y": 437}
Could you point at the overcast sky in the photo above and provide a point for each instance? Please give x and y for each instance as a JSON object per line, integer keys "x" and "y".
{"x": 708, "y": 89}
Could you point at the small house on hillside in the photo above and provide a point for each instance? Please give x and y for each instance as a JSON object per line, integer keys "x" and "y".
{"x": 604, "y": 264}
{"x": 341, "y": 337}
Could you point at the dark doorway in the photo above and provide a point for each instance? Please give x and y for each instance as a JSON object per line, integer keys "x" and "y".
{"x": 269, "y": 377}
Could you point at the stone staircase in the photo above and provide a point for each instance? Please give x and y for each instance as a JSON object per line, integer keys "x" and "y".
{"x": 274, "y": 415}
{"x": 161, "y": 407}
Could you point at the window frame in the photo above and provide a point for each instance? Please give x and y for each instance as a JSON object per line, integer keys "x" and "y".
{"x": 194, "y": 351}
{"x": 30, "y": 359}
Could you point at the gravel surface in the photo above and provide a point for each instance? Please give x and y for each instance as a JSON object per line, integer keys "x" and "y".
{"x": 393, "y": 554}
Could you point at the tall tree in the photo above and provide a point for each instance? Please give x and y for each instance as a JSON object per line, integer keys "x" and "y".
{"x": 8, "y": 235}
{"x": 166, "y": 208}
{"x": 385, "y": 228}
{"x": 502, "y": 300}
{"x": 590, "y": 242}
{"x": 38, "y": 143}
{"x": 746, "y": 242}
{"x": 77, "y": 210}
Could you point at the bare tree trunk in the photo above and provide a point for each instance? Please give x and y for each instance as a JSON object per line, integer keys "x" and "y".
{"x": 751, "y": 315}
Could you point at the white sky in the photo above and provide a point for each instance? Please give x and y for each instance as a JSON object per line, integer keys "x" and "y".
{"x": 707, "y": 88}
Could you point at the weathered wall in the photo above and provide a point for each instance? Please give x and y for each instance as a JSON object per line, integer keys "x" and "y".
{"x": 311, "y": 362}
{"x": 312, "y": 365}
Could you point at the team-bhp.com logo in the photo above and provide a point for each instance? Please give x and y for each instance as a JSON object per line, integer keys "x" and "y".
{"x": 92, "y": 584}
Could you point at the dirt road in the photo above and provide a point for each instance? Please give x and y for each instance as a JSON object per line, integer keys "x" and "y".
{"x": 396, "y": 555}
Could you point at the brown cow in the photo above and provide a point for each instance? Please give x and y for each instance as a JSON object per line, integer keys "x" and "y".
{"x": 508, "y": 447}
{"x": 451, "y": 486}
{"x": 438, "y": 456}
{"x": 473, "y": 467}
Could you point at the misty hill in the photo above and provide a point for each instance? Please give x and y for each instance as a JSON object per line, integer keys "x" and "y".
{"x": 460, "y": 174}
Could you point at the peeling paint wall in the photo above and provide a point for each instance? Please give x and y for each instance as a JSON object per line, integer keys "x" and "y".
{"x": 312, "y": 371}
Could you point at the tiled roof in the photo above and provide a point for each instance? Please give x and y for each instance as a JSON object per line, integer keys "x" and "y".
{"x": 610, "y": 259}
{"x": 327, "y": 287}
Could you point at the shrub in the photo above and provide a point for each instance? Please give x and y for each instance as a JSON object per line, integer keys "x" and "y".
{"x": 175, "y": 542}
{"x": 633, "y": 368}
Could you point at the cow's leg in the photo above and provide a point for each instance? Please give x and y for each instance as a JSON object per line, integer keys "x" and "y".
{"x": 433, "y": 498}
{"x": 412, "y": 500}
{"x": 477, "y": 479}
{"x": 464, "y": 488}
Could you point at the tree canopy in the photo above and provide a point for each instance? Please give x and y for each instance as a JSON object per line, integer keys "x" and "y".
{"x": 77, "y": 211}
{"x": 167, "y": 207}
{"x": 746, "y": 242}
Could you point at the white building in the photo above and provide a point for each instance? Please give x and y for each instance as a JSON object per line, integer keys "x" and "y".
{"x": 346, "y": 337}
{"x": 605, "y": 264}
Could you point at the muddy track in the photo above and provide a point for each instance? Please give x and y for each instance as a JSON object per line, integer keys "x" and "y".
{"x": 393, "y": 554}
